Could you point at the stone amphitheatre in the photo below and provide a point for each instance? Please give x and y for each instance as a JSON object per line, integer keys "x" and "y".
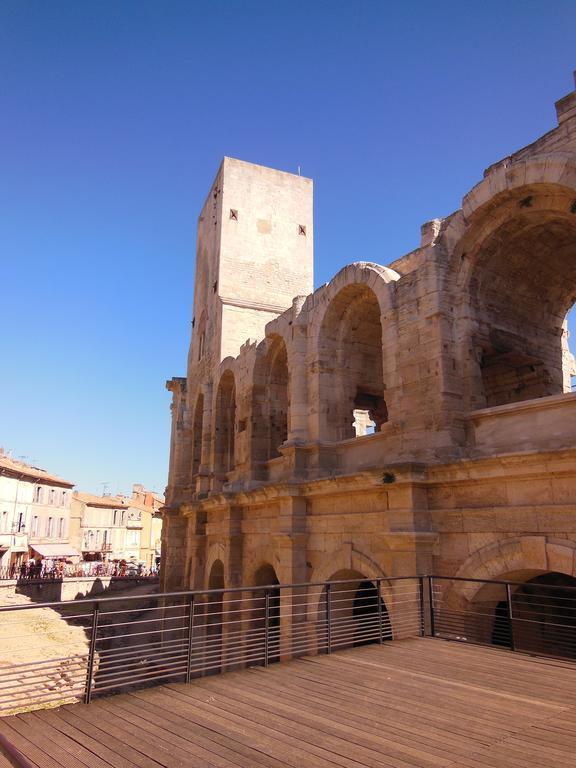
{"x": 405, "y": 419}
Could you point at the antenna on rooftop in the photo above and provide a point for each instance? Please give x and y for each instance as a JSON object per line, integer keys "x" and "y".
{"x": 105, "y": 488}
{"x": 298, "y": 170}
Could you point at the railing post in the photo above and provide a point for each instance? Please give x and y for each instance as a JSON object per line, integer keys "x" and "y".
{"x": 91, "y": 655}
{"x": 431, "y": 606}
{"x": 190, "y": 640}
{"x": 328, "y": 618}
{"x": 510, "y": 617}
{"x": 380, "y": 616}
{"x": 421, "y": 605}
{"x": 267, "y": 628}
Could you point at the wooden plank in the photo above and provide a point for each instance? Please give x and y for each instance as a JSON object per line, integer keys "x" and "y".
{"x": 180, "y": 731}
{"x": 345, "y": 741}
{"x": 356, "y": 712}
{"x": 104, "y": 748}
{"x": 273, "y": 742}
{"x": 164, "y": 752}
{"x": 420, "y": 703}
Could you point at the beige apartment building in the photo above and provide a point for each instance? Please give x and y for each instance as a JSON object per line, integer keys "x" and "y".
{"x": 401, "y": 419}
{"x": 144, "y": 526}
{"x": 115, "y": 528}
{"x": 34, "y": 515}
{"x": 99, "y": 526}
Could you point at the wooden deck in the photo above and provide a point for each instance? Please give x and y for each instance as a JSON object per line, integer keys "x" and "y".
{"x": 408, "y": 704}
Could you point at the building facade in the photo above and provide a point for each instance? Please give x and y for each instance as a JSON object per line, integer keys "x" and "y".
{"x": 99, "y": 526}
{"x": 144, "y": 510}
{"x": 109, "y": 529}
{"x": 34, "y": 516}
{"x": 401, "y": 419}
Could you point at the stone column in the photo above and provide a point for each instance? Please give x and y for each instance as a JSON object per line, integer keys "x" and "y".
{"x": 290, "y": 545}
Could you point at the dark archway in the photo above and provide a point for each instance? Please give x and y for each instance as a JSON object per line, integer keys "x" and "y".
{"x": 265, "y": 577}
{"x": 356, "y": 616}
{"x": 366, "y": 616}
{"x": 270, "y": 401}
{"x": 225, "y": 424}
{"x": 351, "y": 365}
{"x": 213, "y": 653}
{"x": 543, "y": 616}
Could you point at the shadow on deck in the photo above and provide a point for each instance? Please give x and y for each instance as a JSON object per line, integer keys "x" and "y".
{"x": 415, "y": 703}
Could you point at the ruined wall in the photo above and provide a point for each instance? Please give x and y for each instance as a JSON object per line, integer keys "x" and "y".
{"x": 457, "y": 353}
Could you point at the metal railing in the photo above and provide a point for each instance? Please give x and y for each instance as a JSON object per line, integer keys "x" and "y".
{"x": 99, "y": 646}
{"x": 531, "y": 617}
{"x": 52, "y": 653}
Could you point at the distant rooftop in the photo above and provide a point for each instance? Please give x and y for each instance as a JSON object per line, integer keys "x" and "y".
{"x": 10, "y": 466}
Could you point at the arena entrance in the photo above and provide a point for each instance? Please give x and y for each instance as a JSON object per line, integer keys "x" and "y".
{"x": 357, "y": 613}
{"x": 543, "y": 611}
{"x": 265, "y": 612}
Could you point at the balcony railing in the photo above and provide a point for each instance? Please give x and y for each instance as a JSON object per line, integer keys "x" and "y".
{"x": 106, "y": 645}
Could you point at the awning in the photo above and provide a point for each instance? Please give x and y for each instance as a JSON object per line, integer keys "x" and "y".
{"x": 55, "y": 550}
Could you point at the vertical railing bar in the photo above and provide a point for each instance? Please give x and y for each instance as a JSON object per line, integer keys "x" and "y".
{"x": 510, "y": 616}
{"x": 267, "y": 628}
{"x": 421, "y": 605}
{"x": 328, "y": 618}
{"x": 431, "y": 606}
{"x": 380, "y": 616}
{"x": 91, "y": 655}
{"x": 190, "y": 639}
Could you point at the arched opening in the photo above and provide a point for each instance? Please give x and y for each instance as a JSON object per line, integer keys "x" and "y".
{"x": 543, "y": 616}
{"x": 213, "y": 655}
{"x": 265, "y": 618}
{"x": 270, "y": 403}
{"x": 357, "y": 616}
{"x": 197, "y": 434}
{"x": 277, "y": 399}
{"x": 351, "y": 367}
{"x": 522, "y": 286}
{"x": 225, "y": 424}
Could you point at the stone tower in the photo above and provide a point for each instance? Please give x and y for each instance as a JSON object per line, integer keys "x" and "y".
{"x": 254, "y": 253}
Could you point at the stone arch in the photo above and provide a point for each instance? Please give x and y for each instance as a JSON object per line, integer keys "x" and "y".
{"x": 225, "y": 424}
{"x": 350, "y": 363}
{"x": 350, "y": 560}
{"x": 354, "y": 611}
{"x": 515, "y": 263}
{"x": 216, "y": 551}
{"x": 346, "y": 558}
{"x": 524, "y": 556}
{"x": 539, "y": 568}
{"x": 270, "y": 400}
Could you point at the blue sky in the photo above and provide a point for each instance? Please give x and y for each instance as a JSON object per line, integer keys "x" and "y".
{"x": 115, "y": 116}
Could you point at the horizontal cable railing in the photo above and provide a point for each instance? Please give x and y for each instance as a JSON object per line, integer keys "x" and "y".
{"x": 532, "y": 617}
{"x": 52, "y": 653}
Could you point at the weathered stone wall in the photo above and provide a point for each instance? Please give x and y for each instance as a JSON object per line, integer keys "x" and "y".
{"x": 457, "y": 353}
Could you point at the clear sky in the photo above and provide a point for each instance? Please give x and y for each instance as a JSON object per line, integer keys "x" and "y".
{"x": 115, "y": 116}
